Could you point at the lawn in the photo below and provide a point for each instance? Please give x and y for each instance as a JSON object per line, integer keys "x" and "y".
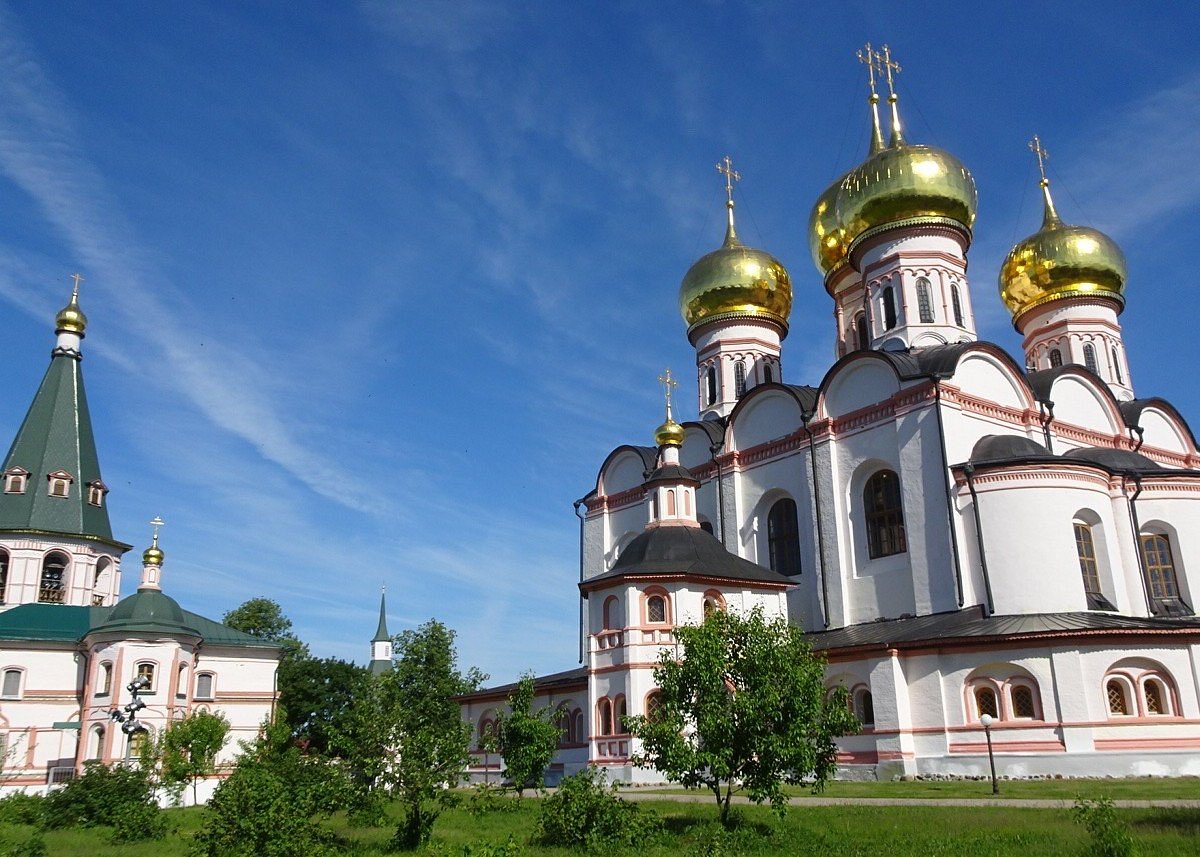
{"x": 812, "y": 830}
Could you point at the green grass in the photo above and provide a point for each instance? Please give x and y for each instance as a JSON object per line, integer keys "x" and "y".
{"x": 843, "y": 830}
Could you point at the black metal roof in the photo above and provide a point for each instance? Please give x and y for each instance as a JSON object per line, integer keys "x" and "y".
{"x": 554, "y": 681}
{"x": 679, "y": 550}
{"x": 1003, "y": 447}
{"x": 1114, "y": 459}
{"x": 973, "y": 623}
{"x": 671, "y": 473}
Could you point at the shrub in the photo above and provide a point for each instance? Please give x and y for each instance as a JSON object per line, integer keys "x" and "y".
{"x": 21, "y": 808}
{"x": 102, "y": 796}
{"x": 133, "y": 822}
{"x": 586, "y": 812}
{"x": 1111, "y": 836}
{"x": 484, "y": 799}
{"x": 34, "y": 846}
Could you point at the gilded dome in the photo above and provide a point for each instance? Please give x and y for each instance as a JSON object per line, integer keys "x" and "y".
{"x": 669, "y": 433}
{"x": 71, "y": 318}
{"x": 152, "y": 556}
{"x": 735, "y": 281}
{"x": 902, "y": 182}
{"x": 1061, "y": 261}
{"x": 826, "y": 238}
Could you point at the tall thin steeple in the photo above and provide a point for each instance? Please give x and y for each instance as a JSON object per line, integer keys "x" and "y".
{"x": 725, "y": 168}
{"x": 381, "y": 643}
{"x": 871, "y": 59}
{"x": 62, "y": 492}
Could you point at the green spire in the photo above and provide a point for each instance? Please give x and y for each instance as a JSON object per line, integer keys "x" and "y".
{"x": 381, "y": 633}
{"x": 57, "y": 436}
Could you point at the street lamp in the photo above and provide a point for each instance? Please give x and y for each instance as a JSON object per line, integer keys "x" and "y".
{"x": 986, "y": 720}
{"x": 128, "y": 719}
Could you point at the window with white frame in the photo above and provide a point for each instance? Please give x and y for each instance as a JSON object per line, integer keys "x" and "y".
{"x": 104, "y": 679}
{"x": 11, "y": 687}
{"x": 1139, "y": 689}
{"x": 864, "y": 706}
{"x": 15, "y": 480}
{"x": 924, "y": 301}
{"x": 204, "y": 685}
{"x": 53, "y": 586}
{"x": 146, "y": 670}
{"x": 96, "y": 492}
{"x": 58, "y": 483}
{"x": 3, "y": 575}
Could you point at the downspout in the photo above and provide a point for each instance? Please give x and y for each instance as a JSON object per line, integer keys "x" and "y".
{"x": 969, "y": 472}
{"x": 713, "y": 450}
{"x": 1047, "y": 417}
{"x": 579, "y": 504}
{"x": 1141, "y": 436}
{"x": 1137, "y": 534}
{"x": 958, "y": 584}
{"x": 805, "y": 418}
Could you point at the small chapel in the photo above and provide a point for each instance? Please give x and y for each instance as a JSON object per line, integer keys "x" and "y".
{"x": 965, "y": 537}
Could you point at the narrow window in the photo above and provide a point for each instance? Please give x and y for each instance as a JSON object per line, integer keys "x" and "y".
{"x": 1022, "y": 702}
{"x": 860, "y": 328}
{"x": 204, "y": 686}
{"x": 712, "y": 604}
{"x": 104, "y": 680}
{"x": 739, "y": 379}
{"x": 619, "y": 714}
{"x": 1118, "y": 703}
{"x": 53, "y": 584}
{"x": 97, "y": 744}
{"x": 656, "y": 608}
{"x": 605, "y": 718}
{"x": 924, "y": 301}
{"x": 137, "y": 743}
{"x": 1117, "y": 367}
{"x": 1154, "y": 697}
{"x": 1089, "y": 357}
{"x": 12, "y": 685}
{"x": 580, "y": 734}
{"x": 670, "y": 504}
{"x": 58, "y": 486}
{"x": 3, "y": 574}
{"x": 1085, "y": 548}
{"x": 889, "y": 308}
{"x": 1160, "y": 566}
{"x": 956, "y": 304}
{"x": 783, "y": 537}
{"x": 181, "y": 682}
{"x": 985, "y": 702}
{"x": 768, "y": 373}
{"x": 96, "y": 494}
{"x": 14, "y": 481}
{"x": 146, "y": 671}
{"x": 710, "y": 396}
{"x": 611, "y": 605}
{"x": 884, "y": 515}
{"x": 654, "y": 705}
{"x": 1055, "y": 358}
{"x": 864, "y": 707}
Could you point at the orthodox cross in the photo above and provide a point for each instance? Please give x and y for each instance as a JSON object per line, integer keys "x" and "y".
{"x": 78, "y": 278}
{"x": 870, "y": 59}
{"x": 667, "y": 380}
{"x": 889, "y": 66}
{"x": 1035, "y": 146}
{"x": 725, "y": 168}
{"x": 157, "y": 522}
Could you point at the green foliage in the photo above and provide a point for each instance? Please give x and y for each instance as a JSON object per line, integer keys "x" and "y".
{"x": 107, "y": 795}
{"x": 743, "y": 709}
{"x": 406, "y": 737}
{"x": 265, "y": 619}
{"x": 33, "y": 846}
{"x": 273, "y": 805}
{"x": 22, "y": 808}
{"x": 587, "y": 813}
{"x": 190, "y": 746}
{"x": 315, "y": 696}
{"x": 484, "y": 799}
{"x": 1111, "y": 836}
{"x": 526, "y": 739}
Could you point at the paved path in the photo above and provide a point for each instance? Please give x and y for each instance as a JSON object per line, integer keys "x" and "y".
{"x": 1025, "y": 803}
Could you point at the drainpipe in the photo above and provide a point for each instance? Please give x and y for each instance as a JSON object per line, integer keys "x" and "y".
{"x": 1137, "y": 533}
{"x": 1047, "y": 417}
{"x": 713, "y": 450}
{"x": 1141, "y": 437}
{"x": 958, "y": 584}
{"x": 969, "y": 472}
{"x": 805, "y": 418}
{"x": 579, "y": 504}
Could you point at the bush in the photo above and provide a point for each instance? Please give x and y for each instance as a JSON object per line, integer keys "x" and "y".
{"x": 586, "y": 813}
{"x": 484, "y": 799}
{"x": 34, "y": 846}
{"x": 107, "y": 795}
{"x": 21, "y": 808}
{"x": 1111, "y": 836}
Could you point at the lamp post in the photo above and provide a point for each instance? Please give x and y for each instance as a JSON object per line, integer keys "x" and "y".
{"x": 128, "y": 719}
{"x": 986, "y": 720}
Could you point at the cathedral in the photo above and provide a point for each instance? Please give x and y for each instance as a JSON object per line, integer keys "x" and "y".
{"x": 72, "y": 652}
{"x": 967, "y": 539}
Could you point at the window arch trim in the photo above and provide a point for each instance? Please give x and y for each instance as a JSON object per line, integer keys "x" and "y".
{"x": 667, "y": 614}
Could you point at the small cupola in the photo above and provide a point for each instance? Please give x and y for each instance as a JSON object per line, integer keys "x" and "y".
{"x": 671, "y": 487}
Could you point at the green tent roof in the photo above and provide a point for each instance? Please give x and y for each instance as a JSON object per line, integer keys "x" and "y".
{"x": 56, "y": 435}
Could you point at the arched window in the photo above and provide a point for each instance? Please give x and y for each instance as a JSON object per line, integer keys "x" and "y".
{"x": 96, "y": 492}
{"x": 1055, "y": 358}
{"x": 181, "y": 682}
{"x": 1155, "y": 696}
{"x": 619, "y": 714}
{"x": 884, "y": 515}
{"x": 924, "y": 301}
{"x": 15, "y": 479}
{"x": 739, "y": 379}
{"x": 612, "y": 616}
{"x": 1118, "y": 698}
{"x": 104, "y": 680}
{"x": 1160, "y": 568}
{"x": 577, "y": 720}
{"x": 710, "y": 385}
{"x": 713, "y": 603}
{"x": 137, "y": 742}
{"x": 146, "y": 670}
{"x": 1089, "y": 356}
{"x": 783, "y": 537}
{"x": 1085, "y": 549}
{"x": 604, "y": 715}
{"x": 864, "y": 707}
{"x": 656, "y": 609}
{"x": 3, "y": 575}
{"x": 96, "y": 747}
{"x": 860, "y": 330}
{"x": 11, "y": 688}
{"x": 671, "y": 504}
{"x": 985, "y": 702}
{"x": 53, "y": 584}
{"x": 889, "y": 308}
{"x": 1022, "y": 702}
{"x": 1117, "y": 367}
{"x": 768, "y": 373}
{"x": 956, "y": 304}
{"x": 654, "y": 704}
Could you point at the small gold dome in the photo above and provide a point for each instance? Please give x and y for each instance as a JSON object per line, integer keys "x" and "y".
{"x": 903, "y": 182}
{"x": 1061, "y": 261}
{"x": 70, "y": 319}
{"x": 152, "y": 555}
{"x": 826, "y": 237}
{"x": 735, "y": 281}
{"x": 669, "y": 433}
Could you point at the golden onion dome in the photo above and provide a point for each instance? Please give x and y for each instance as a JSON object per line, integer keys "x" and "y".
{"x": 905, "y": 182}
{"x": 152, "y": 555}
{"x": 669, "y": 433}
{"x": 735, "y": 281}
{"x": 1061, "y": 261}
{"x": 826, "y": 237}
{"x": 70, "y": 319}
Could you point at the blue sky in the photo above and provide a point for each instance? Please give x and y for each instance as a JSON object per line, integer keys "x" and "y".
{"x": 375, "y": 287}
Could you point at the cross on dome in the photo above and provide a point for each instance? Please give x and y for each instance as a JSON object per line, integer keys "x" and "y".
{"x": 1035, "y": 146}
{"x": 156, "y": 523}
{"x": 725, "y": 168}
{"x": 668, "y": 382}
{"x": 1050, "y": 215}
{"x": 870, "y": 58}
{"x": 889, "y": 66}
{"x": 78, "y": 278}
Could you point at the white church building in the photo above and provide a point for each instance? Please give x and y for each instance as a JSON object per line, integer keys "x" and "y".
{"x": 959, "y": 533}
{"x": 69, "y": 645}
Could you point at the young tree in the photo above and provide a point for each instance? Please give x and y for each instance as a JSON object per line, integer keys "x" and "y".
{"x": 406, "y": 737}
{"x": 265, "y": 619}
{"x": 190, "y": 747}
{"x": 744, "y": 708}
{"x": 315, "y": 696}
{"x": 526, "y": 739}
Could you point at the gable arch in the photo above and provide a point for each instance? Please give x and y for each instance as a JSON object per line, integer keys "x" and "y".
{"x": 768, "y": 412}
{"x": 980, "y": 373}
{"x": 1082, "y": 399}
{"x": 626, "y": 467}
{"x": 860, "y": 379}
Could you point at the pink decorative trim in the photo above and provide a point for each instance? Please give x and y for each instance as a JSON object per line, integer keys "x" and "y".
{"x": 977, "y": 747}
{"x": 1147, "y": 744}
